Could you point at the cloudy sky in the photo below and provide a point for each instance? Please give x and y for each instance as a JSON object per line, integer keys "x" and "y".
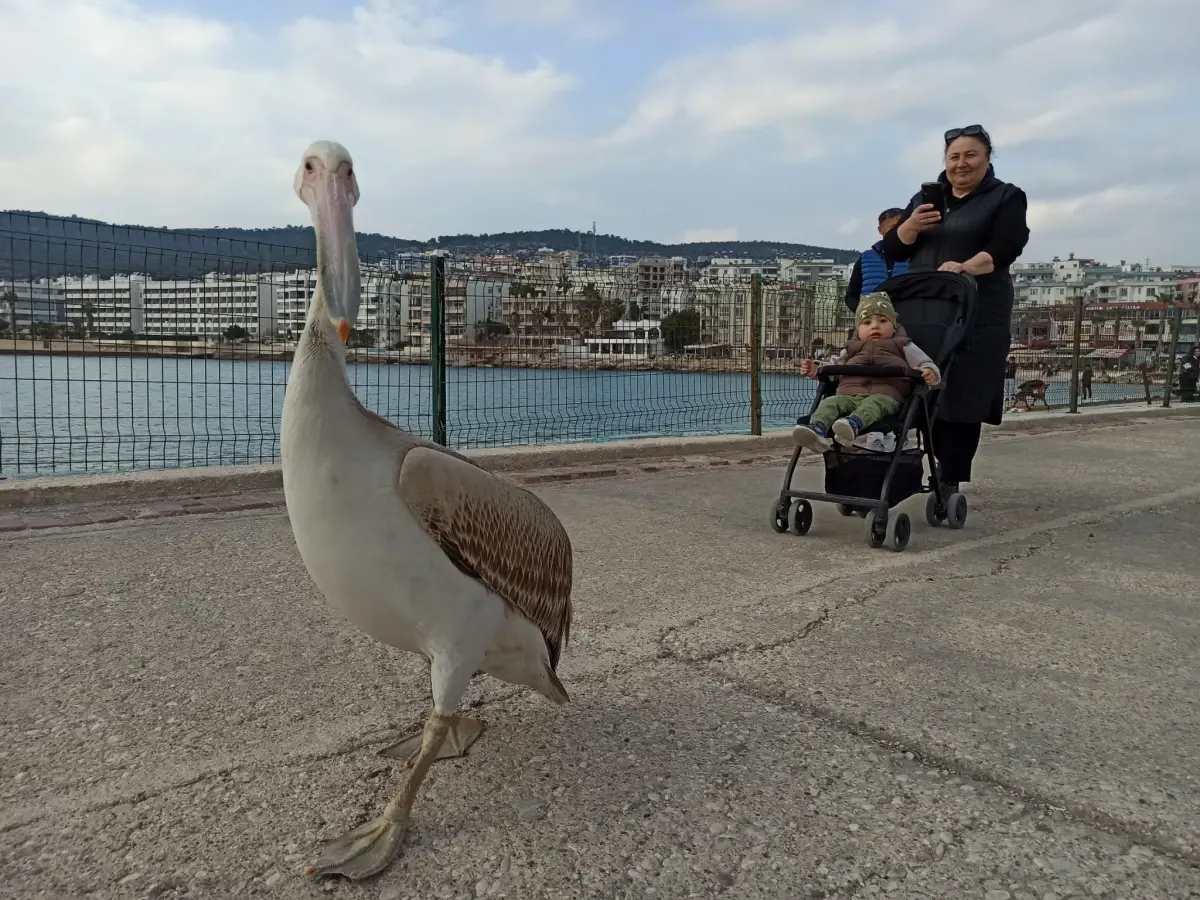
{"x": 661, "y": 119}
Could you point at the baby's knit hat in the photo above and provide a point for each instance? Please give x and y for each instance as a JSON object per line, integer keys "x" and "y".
{"x": 876, "y": 303}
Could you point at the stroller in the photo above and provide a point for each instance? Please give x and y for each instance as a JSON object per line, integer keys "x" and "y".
{"x": 936, "y": 309}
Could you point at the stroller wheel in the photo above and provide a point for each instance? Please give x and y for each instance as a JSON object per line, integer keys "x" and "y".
{"x": 899, "y": 530}
{"x": 956, "y": 510}
{"x": 845, "y": 510}
{"x": 779, "y": 516}
{"x": 875, "y": 536}
{"x": 935, "y": 515}
{"x": 800, "y": 516}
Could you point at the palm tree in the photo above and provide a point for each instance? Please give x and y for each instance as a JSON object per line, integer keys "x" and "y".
{"x": 89, "y": 313}
{"x": 513, "y": 321}
{"x": 545, "y": 317}
{"x": 590, "y": 306}
{"x": 10, "y": 300}
{"x": 561, "y": 320}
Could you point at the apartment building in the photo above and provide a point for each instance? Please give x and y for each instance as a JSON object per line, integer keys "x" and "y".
{"x": 654, "y": 273}
{"x": 104, "y": 305}
{"x": 416, "y": 310}
{"x": 31, "y": 302}
{"x": 811, "y": 271}
{"x": 268, "y": 306}
{"x": 206, "y": 308}
{"x": 1061, "y": 281}
{"x": 730, "y": 270}
{"x": 136, "y": 304}
{"x": 380, "y": 311}
{"x": 804, "y": 319}
{"x": 1106, "y": 329}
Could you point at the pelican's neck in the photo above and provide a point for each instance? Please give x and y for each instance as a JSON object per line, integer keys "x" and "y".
{"x": 319, "y": 349}
{"x": 318, "y": 309}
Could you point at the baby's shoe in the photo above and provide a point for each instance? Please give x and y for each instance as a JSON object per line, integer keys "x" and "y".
{"x": 812, "y": 437}
{"x": 846, "y": 429}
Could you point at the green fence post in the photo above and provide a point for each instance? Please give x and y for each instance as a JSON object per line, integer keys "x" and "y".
{"x": 756, "y": 319}
{"x": 437, "y": 342}
{"x": 1075, "y": 354}
{"x": 1176, "y": 325}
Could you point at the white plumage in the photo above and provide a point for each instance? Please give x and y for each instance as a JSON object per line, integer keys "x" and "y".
{"x": 416, "y": 545}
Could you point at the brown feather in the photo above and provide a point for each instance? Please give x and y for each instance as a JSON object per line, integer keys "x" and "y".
{"x": 497, "y": 532}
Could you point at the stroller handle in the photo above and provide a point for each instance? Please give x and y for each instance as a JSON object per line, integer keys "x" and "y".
{"x": 870, "y": 372}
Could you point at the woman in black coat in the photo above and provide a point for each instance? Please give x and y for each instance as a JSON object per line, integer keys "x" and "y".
{"x": 983, "y": 233}
{"x": 1189, "y": 375}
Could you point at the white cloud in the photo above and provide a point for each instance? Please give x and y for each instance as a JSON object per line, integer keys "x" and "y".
{"x": 1096, "y": 81}
{"x": 1090, "y": 211}
{"x": 742, "y": 8}
{"x": 779, "y": 119}
{"x": 583, "y": 18}
{"x": 169, "y": 118}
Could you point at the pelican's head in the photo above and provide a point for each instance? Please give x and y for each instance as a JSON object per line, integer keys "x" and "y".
{"x": 325, "y": 182}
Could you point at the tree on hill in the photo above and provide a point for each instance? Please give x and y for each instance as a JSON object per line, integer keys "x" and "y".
{"x": 681, "y": 328}
{"x": 45, "y": 246}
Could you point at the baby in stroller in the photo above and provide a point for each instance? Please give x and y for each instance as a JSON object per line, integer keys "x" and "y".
{"x": 860, "y": 402}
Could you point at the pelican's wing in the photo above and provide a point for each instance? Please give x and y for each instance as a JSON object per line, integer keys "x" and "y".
{"x": 496, "y": 532}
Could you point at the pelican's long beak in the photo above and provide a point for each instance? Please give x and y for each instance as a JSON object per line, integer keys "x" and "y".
{"x": 337, "y": 250}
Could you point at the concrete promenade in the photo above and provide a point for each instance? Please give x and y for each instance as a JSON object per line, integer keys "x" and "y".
{"x": 1006, "y": 712}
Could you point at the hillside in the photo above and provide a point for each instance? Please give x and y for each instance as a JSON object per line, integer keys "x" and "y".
{"x": 34, "y": 245}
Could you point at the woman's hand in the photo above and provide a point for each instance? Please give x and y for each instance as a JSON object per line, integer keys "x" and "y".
{"x": 979, "y": 264}
{"x": 924, "y": 216}
{"x": 808, "y": 368}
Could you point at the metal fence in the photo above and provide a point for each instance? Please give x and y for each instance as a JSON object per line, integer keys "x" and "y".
{"x": 1084, "y": 352}
{"x": 132, "y": 348}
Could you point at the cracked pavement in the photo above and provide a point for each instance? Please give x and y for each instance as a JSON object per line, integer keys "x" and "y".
{"x": 1006, "y": 712}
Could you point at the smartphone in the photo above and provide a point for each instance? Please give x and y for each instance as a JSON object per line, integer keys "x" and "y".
{"x": 934, "y": 192}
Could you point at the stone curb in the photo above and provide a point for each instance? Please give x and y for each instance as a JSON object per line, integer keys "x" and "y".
{"x": 76, "y": 516}
{"x": 197, "y": 484}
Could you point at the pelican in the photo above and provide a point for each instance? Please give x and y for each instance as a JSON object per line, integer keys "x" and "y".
{"x": 414, "y": 544}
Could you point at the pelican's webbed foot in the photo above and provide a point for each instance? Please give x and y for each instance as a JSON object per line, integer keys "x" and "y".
{"x": 369, "y": 848}
{"x": 463, "y": 732}
{"x": 364, "y": 851}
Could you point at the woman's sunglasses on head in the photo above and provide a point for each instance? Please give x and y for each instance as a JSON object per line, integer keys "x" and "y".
{"x": 970, "y": 131}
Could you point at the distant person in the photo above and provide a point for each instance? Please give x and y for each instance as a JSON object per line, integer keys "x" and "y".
{"x": 1085, "y": 384}
{"x": 984, "y": 232}
{"x": 1010, "y": 368}
{"x": 1145, "y": 370}
{"x": 1189, "y": 374}
{"x": 873, "y": 267}
{"x": 860, "y": 401}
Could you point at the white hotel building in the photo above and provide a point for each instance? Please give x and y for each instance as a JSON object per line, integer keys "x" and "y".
{"x": 114, "y": 304}
{"x": 207, "y": 307}
{"x": 267, "y": 306}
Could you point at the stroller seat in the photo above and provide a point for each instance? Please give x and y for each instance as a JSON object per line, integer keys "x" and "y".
{"x": 936, "y": 309}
